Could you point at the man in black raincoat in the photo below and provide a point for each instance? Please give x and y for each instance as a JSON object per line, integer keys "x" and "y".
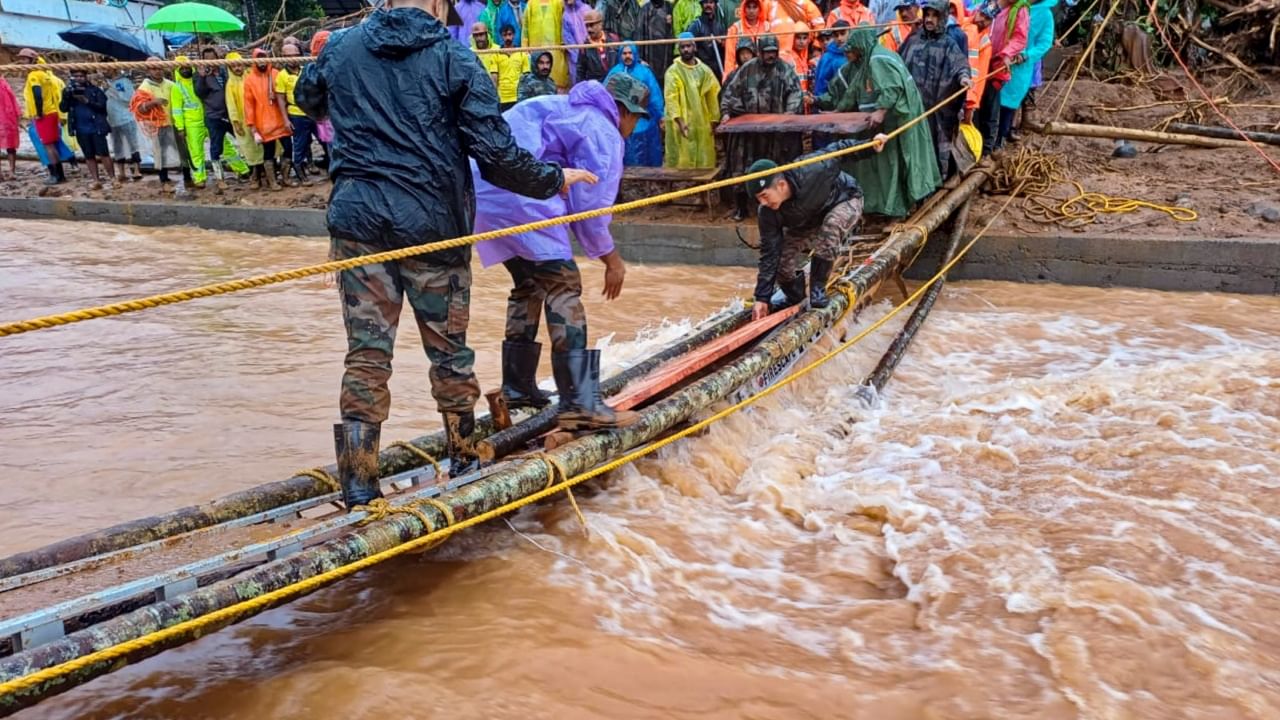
{"x": 409, "y": 106}
{"x": 940, "y": 67}
{"x": 815, "y": 207}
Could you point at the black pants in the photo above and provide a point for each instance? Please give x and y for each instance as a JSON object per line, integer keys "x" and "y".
{"x": 218, "y": 131}
{"x": 286, "y": 149}
{"x": 988, "y": 119}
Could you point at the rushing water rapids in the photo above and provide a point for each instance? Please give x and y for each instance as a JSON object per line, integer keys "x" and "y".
{"x": 1065, "y": 505}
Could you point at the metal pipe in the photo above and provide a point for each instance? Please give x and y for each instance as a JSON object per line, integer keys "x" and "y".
{"x": 501, "y": 488}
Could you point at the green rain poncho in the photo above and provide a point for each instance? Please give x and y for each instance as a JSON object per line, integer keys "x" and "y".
{"x": 692, "y": 95}
{"x": 906, "y": 172}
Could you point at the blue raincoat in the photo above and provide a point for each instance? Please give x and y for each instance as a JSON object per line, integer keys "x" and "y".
{"x": 644, "y": 147}
{"x": 1039, "y": 41}
{"x": 578, "y": 130}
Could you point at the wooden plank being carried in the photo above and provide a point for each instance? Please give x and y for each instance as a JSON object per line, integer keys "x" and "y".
{"x": 686, "y": 366}
{"x": 665, "y": 174}
{"x": 854, "y": 123}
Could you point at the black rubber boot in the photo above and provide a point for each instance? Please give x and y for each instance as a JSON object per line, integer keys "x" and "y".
{"x": 793, "y": 291}
{"x": 520, "y": 375}
{"x": 577, "y": 374}
{"x": 356, "y": 444}
{"x": 53, "y": 178}
{"x": 460, "y": 445}
{"x": 819, "y": 273}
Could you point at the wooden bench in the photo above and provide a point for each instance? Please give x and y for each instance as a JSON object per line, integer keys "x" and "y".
{"x": 664, "y": 179}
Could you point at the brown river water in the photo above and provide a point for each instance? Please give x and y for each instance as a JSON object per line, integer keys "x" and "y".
{"x": 1065, "y": 505}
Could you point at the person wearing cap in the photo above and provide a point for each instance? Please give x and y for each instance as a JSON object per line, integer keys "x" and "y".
{"x": 401, "y": 177}
{"x": 86, "y": 108}
{"x": 211, "y": 88}
{"x": 125, "y": 148}
{"x": 537, "y": 82}
{"x": 644, "y": 145}
{"x": 761, "y": 86}
{"x": 752, "y": 23}
{"x": 43, "y": 95}
{"x": 188, "y": 118}
{"x": 584, "y": 129}
{"x": 813, "y": 208}
{"x": 250, "y": 150}
{"x": 151, "y": 107}
{"x": 875, "y": 79}
{"x": 469, "y": 12}
{"x": 692, "y": 106}
{"x": 595, "y": 62}
{"x": 940, "y": 68}
{"x": 987, "y": 119}
{"x": 265, "y": 118}
{"x": 907, "y": 16}
{"x": 709, "y": 25}
{"x": 832, "y": 57}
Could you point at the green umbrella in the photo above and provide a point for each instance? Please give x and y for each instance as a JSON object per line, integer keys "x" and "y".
{"x": 193, "y": 17}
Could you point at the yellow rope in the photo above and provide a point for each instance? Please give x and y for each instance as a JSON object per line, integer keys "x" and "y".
{"x": 380, "y": 508}
{"x": 322, "y": 476}
{"x": 422, "y": 455}
{"x": 231, "y": 286}
{"x": 217, "y": 618}
{"x": 554, "y": 469}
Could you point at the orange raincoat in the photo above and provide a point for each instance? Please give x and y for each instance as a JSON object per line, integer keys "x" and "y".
{"x": 261, "y": 110}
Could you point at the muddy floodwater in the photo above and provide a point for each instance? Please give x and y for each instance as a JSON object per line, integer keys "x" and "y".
{"x": 1065, "y": 505}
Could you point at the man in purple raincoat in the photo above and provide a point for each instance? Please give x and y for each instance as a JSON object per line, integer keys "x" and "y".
{"x": 584, "y": 129}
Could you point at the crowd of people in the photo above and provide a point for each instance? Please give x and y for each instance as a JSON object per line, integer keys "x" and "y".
{"x": 722, "y": 59}
{"x": 433, "y": 121}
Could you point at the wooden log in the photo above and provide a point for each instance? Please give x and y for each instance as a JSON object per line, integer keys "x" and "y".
{"x": 1121, "y": 133}
{"x": 1225, "y": 133}
{"x": 898, "y": 348}
{"x": 506, "y": 485}
{"x": 303, "y": 487}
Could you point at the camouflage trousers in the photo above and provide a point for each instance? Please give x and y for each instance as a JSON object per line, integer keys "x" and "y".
{"x": 553, "y": 286}
{"x": 826, "y": 242}
{"x": 372, "y": 297}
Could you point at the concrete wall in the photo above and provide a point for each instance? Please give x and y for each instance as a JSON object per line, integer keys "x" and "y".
{"x": 1241, "y": 265}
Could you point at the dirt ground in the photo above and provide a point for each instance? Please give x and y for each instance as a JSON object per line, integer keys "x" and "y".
{"x": 1220, "y": 185}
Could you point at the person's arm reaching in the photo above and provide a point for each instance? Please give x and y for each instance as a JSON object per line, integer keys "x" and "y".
{"x": 770, "y": 224}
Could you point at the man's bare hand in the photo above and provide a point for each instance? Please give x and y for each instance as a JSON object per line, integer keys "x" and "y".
{"x": 880, "y": 139}
{"x": 573, "y": 176}
{"x": 614, "y": 273}
{"x": 876, "y": 118}
{"x": 683, "y": 127}
{"x": 759, "y": 310}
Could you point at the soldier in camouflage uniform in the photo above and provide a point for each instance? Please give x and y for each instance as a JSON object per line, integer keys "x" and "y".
{"x": 762, "y": 85}
{"x": 586, "y": 128}
{"x": 811, "y": 208}
{"x": 401, "y": 177}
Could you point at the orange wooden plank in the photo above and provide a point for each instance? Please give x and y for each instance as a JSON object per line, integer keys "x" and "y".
{"x": 691, "y": 363}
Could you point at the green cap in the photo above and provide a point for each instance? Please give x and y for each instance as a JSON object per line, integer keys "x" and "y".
{"x": 632, "y": 95}
{"x": 758, "y": 184}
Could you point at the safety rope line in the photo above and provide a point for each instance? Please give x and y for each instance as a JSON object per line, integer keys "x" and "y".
{"x": 324, "y": 477}
{"x": 554, "y": 470}
{"x": 18, "y": 69}
{"x": 231, "y": 286}
{"x": 197, "y": 626}
{"x": 423, "y": 455}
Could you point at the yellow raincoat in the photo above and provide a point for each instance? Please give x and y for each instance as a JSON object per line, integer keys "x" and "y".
{"x": 50, "y": 90}
{"x": 249, "y": 150}
{"x": 692, "y": 95}
{"x": 543, "y": 26}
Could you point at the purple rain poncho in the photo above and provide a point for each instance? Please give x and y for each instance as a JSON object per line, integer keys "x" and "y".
{"x": 578, "y": 130}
